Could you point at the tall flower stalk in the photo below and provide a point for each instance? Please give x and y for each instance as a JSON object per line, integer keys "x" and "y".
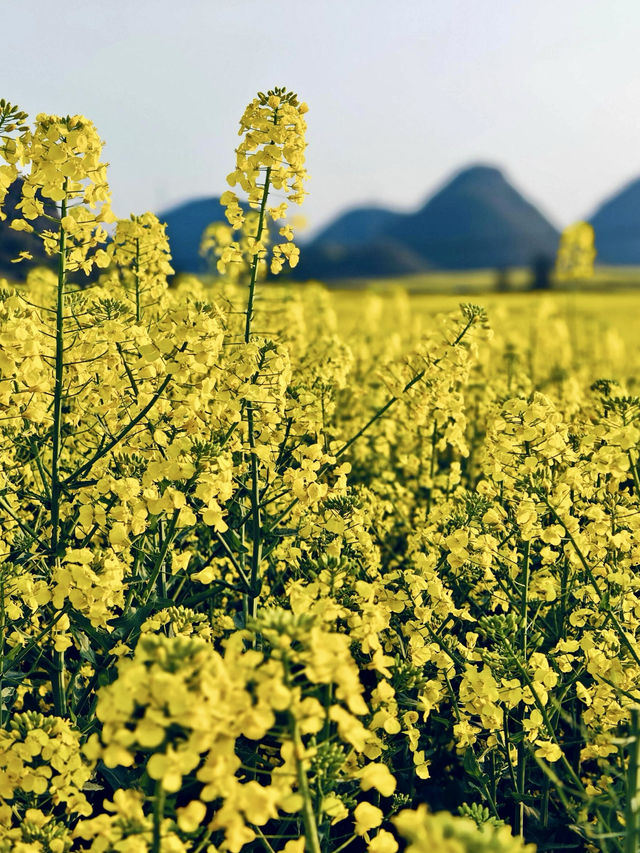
{"x": 270, "y": 156}
{"x": 65, "y": 169}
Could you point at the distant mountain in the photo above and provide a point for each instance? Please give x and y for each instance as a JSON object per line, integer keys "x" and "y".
{"x": 476, "y": 220}
{"x": 13, "y": 242}
{"x": 617, "y": 227}
{"x": 185, "y": 225}
{"x": 380, "y": 259}
{"x": 356, "y": 227}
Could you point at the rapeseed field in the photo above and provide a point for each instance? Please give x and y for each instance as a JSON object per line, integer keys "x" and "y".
{"x": 286, "y": 569}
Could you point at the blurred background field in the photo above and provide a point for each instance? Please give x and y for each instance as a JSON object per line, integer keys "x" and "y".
{"x": 590, "y": 317}
{"x": 519, "y": 279}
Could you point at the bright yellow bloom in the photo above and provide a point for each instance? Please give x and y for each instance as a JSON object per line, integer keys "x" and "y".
{"x": 378, "y": 776}
{"x": 367, "y": 817}
{"x": 576, "y": 252}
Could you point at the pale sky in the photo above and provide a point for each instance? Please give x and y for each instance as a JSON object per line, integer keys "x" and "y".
{"x": 401, "y": 93}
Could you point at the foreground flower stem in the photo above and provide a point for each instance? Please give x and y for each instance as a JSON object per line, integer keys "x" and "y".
{"x": 56, "y": 430}
{"x": 250, "y": 599}
{"x": 522, "y": 753}
{"x": 59, "y": 693}
{"x": 256, "y": 258}
{"x": 136, "y": 270}
{"x": 158, "y": 814}
{"x": 161, "y": 556}
{"x": 312, "y": 841}
{"x": 631, "y": 810}
{"x": 3, "y": 624}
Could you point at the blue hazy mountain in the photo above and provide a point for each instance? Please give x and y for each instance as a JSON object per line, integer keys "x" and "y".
{"x": 356, "y": 227}
{"x": 380, "y": 258}
{"x": 185, "y": 225}
{"x": 477, "y": 219}
{"x": 616, "y": 223}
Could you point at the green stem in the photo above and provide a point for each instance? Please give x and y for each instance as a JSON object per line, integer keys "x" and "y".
{"x": 158, "y": 814}
{"x": 631, "y": 806}
{"x": 522, "y": 752}
{"x": 21, "y": 524}
{"x": 256, "y": 525}
{"x": 204, "y": 841}
{"x": 2, "y": 640}
{"x": 250, "y": 599}
{"x": 432, "y": 464}
{"x": 507, "y": 751}
{"x": 136, "y": 269}
{"x": 256, "y": 258}
{"x": 312, "y": 841}
{"x": 59, "y": 694}
{"x": 58, "y": 685}
{"x": 56, "y": 429}
{"x": 518, "y": 827}
{"x": 344, "y": 844}
{"x": 162, "y": 554}
{"x": 264, "y": 840}
{"x": 544, "y": 809}
{"x": 524, "y": 594}
{"x": 37, "y": 457}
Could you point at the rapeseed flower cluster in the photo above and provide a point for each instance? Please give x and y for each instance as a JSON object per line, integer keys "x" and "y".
{"x": 270, "y": 156}
{"x": 140, "y": 250}
{"x": 576, "y": 252}
{"x": 12, "y": 125}
{"x": 63, "y": 158}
